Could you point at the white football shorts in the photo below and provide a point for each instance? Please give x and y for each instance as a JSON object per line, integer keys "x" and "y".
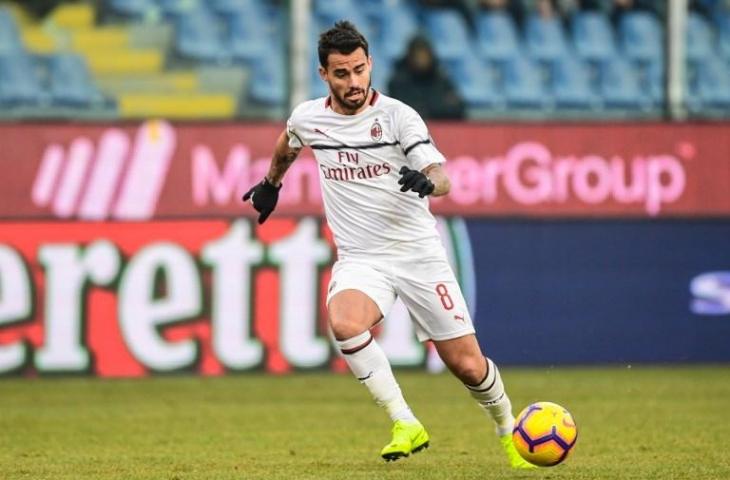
{"x": 428, "y": 288}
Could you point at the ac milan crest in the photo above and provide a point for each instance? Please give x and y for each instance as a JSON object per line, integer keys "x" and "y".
{"x": 376, "y": 131}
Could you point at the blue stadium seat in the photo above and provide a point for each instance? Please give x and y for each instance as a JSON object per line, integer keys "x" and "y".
{"x": 382, "y": 8}
{"x": 248, "y": 40}
{"x": 397, "y": 26}
{"x": 497, "y": 36}
{"x": 134, "y": 9}
{"x": 448, "y": 32}
{"x": 712, "y": 84}
{"x": 571, "y": 85}
{"x": 722, "y": 21}
{"x": 9, "y": 35}
{"x": 523, "y": 86}
{"x": 173, "y": 9}
{"x": 641, "y": 36}
{"x": 317, "y": 88}
{"x": 198, "y": 37}
{"x": 327, "y": 12}
{"x": 382, "y": 70}
{"x": 700, "y": 43}
{"x": 387, "y": 17}
{"x": 476, "y": 83}
{"x": 545, "y": 38}
{"x": 329, "y": 7}
{"x": 654, "y": 82}
{"x": 268, "y": 82}
{"x": 71, "y": 84}
{"x": 20, "y": 84}
{"x": 229, "y": 7}
{"x": 619, "y": 86}
{"x": 592, "y": 36}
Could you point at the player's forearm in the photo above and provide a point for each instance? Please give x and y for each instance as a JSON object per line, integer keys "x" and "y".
{"x": 282, "y": 159}
{"x": 279, "y": 165}
{"x": 441, "y": 183}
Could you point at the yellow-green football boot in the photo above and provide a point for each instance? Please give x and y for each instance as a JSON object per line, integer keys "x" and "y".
{"x": 407, "y": 438}
{"x": 515, "y": 459}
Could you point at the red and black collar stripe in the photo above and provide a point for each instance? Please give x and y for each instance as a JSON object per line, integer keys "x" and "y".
{"x": 374, "y": 98}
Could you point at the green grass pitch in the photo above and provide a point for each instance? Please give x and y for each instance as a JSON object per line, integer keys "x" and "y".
{"x": 634, "y": 423}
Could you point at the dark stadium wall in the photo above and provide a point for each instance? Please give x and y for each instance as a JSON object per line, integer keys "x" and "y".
{"x": 560, "y": 292}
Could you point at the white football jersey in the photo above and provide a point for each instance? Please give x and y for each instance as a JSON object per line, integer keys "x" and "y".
{"x": 359, "y": 157}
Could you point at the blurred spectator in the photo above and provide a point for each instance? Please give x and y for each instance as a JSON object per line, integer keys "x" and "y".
{"x": 554, "y": 8}
{"x": 419, "y": 81}
{"x": 620, "y": 7}
{"x": 494, "y": 4}
{"x": 709, "y": 8}
{"x": 547, "y": 8}
{"x": 41, "y": 8}
{"x": 591, "y": 4}
{"x": 465, "y": 7}
{"x": 509, "y": 6}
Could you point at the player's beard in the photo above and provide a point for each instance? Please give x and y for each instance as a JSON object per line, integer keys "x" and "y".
{"x": 350, "y": 105}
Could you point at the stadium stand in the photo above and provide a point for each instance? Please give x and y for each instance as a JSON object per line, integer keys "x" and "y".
{"x": 227, "y": 58}
{"x": 653, "y": 81}
{"x": 70, "y": 81}
{"x": 9, "y": 36}
{"x": 198, "y": 37}
{"x": 19, "y": 84}
{"x": 641, "y": 37}
{"x": 709, "y": 89}
{"x": 477, "y": 83}
{"x": 449, "y": 33}
{"x": 699, "y": 38}
{"x": 545, "y": 39}
{"x": 723, "y": 26}
{"x": 134, "y": 9}
{"x": 246, "y": 37}
{"x": 620, "y": 87}
{"x": 269, "y": 83}
{"x": 593, "y": 36}
{"x": 497, "y": 36}
{"x": 397, "y": 26}
{"x": 523, "y": 86}
{"x": 571, "y": 85}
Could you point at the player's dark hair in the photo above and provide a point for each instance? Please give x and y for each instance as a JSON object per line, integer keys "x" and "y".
{"x": 342, "y": 38}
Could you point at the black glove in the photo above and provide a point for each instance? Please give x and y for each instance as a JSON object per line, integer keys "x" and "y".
{"x": 416, "y": 181}
{"x": 263, "y": 197}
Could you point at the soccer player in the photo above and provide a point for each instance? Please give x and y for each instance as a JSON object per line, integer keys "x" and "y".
{"x": 377, "y": 166}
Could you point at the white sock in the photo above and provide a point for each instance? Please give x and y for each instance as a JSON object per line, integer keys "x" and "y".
{"x": 371, "y": 367}
{"x": 493, "y": 399}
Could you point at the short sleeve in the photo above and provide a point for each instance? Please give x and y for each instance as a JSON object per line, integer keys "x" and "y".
{"x": 292, "y": 130}
{"x": 415, "y": 140}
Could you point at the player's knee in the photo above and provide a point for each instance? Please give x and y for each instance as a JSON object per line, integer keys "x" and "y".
{"x": 351, "y": 313}
{"x": 345, "y": 326}
{"x": 470, "y": 369}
